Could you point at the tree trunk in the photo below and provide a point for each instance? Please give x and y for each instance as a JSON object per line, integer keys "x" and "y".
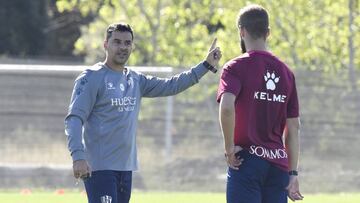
{"x": 352, "y": 73}
{"x": 154, "y": 27}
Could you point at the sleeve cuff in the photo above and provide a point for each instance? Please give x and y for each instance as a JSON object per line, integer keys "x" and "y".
{"x": 78, "y": 155}
{"x": 200, "y": 70}
{"x": 218, "y": 97}
{"x": 293, "y": 114}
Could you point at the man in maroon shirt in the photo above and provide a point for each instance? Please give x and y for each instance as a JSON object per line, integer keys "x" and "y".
{"x": 259, "y": 110}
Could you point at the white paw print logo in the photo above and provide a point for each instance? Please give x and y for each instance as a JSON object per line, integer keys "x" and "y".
{"x": 271, "y": 80}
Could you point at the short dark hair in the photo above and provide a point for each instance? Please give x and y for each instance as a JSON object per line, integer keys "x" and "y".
{"x": 254, "y": 18}
{"x": 121, "y": 27}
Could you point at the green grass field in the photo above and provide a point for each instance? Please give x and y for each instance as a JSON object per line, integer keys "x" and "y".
{"x": 158, "y": 197}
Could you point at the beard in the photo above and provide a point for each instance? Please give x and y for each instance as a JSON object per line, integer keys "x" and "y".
{"x": 242, "y": 44}
{"x": 121, "y": 59}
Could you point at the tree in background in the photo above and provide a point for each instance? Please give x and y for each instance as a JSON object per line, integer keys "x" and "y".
{"x": 63, "y": 29}
{"x": 166, "y": 32}
{"x": 37, "y": 29}
{"x": 21, "y": 23}
{"x": 305, "y": 32}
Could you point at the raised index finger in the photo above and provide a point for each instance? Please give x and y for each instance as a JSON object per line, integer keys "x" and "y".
{"x": 213, "y": 44}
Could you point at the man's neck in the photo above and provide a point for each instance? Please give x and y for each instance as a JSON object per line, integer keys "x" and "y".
{"x": 115, "y": 67}
{"x": 256, "y": 45}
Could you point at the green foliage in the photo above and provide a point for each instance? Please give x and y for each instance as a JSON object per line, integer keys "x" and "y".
{"x": 167, "y": 34}
{"x": 177, "y": 33}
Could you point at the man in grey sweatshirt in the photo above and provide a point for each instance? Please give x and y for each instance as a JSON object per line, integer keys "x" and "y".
{"x": 104, "y": 110}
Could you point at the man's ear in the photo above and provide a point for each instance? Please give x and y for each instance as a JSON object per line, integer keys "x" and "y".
{"x": 105, "y": 44}
{"x": 242, "y": 32}
{"x": 267, "y": 33}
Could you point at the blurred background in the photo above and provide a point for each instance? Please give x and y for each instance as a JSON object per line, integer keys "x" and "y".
{"x": 44, "y": 44}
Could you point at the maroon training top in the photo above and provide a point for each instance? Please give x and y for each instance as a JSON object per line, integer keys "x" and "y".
{"x": 266, "y": 96}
